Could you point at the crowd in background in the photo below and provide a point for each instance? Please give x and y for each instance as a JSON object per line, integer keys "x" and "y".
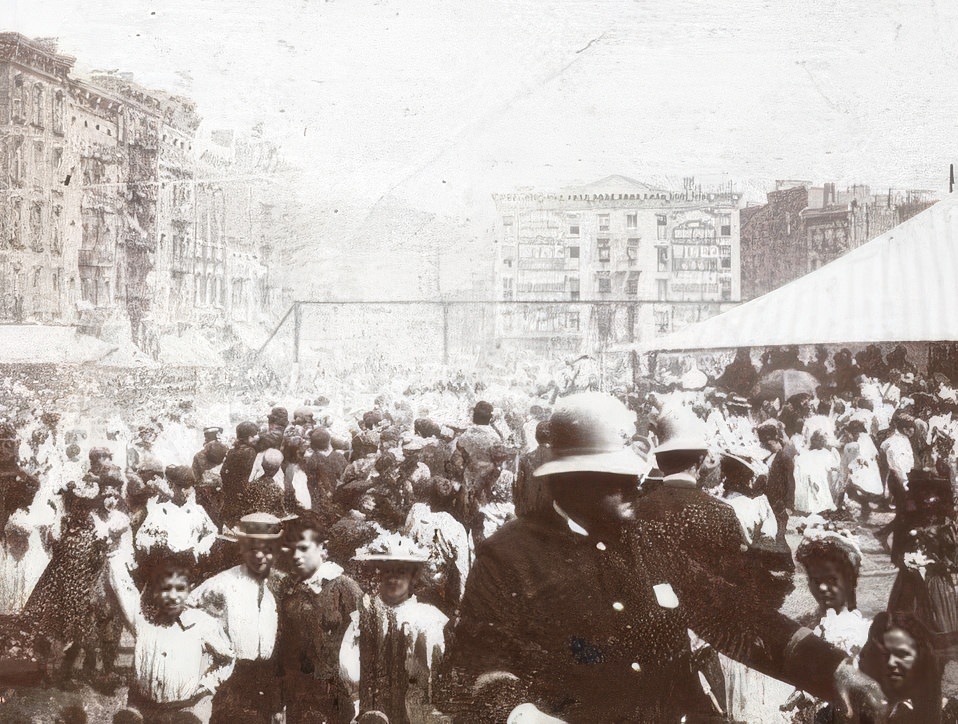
{"x": 311, "y": 563}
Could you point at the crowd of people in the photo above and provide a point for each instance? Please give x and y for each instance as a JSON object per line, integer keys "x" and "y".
{"x": 553, "y": 557}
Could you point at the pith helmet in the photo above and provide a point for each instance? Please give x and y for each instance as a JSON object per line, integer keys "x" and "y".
{"x": 591, "y": 432}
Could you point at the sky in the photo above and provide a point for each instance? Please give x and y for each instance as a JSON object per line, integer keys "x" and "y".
{"x": 443, "y": 102}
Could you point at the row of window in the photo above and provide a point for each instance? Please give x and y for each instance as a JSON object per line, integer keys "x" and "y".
{"x": 29, "y": 105}
{"x": 631, "y": 222}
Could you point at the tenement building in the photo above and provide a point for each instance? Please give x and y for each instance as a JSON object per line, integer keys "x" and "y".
{"x": 109, "y": 222}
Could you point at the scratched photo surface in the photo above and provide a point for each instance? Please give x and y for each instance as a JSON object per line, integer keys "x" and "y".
{"x": 504, "y": 361}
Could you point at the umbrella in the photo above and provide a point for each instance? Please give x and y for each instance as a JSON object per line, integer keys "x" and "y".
{"x": 785, "y": 384}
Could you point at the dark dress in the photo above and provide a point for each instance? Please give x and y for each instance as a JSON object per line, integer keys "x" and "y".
{"x": 262, "y": 495}
{"x": 63, "y": 603}
{"x": 234, "y": 474}
{"x": 311, "y": 627}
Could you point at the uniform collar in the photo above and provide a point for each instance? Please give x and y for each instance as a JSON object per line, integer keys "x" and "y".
{"x": 680, "y": 480}
{"x": 573, "y": 526}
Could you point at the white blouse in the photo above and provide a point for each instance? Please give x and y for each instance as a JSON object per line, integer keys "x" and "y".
{"x": 246, "y": 608}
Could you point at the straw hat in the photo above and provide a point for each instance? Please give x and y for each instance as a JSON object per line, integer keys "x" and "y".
{"x": 592, "y": 432}
{"x": 256, "y": 526}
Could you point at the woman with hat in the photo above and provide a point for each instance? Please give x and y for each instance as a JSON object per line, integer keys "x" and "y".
{"x": 388, "y": 652}
{"x": 925, "y": 550}
{"x": 831, "y": 558}
{"x": 67, "y": 604}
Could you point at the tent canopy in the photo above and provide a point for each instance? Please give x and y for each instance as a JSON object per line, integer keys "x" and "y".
{"x": 898, "y": 287}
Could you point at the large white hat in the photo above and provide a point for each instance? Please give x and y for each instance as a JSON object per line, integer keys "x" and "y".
{"x": 592, "y": 432}
{"x": 392, "y": 547}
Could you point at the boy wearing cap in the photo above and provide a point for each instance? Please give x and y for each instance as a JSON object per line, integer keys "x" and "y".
{"x": 242, "y": 599}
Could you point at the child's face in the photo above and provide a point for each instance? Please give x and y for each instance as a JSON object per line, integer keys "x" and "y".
{"x": 902, "y": 654}
{"x": 827, "y": 584}
{"x": 307, "y": 554}
{"x": 172, "y": 591}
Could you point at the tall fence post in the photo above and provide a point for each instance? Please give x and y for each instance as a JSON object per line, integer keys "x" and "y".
{"x": 445, "y": 334}
{"x": 297, "y": 320}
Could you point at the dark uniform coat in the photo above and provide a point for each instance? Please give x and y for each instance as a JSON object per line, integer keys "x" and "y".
{"x": 597, "y": 630}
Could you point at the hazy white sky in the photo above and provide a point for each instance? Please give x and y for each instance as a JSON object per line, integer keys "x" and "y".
{"x": 443, "y": 102}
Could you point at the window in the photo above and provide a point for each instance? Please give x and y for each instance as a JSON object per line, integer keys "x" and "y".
{"x": 726, "y": 262}
{"x": 605, "y": 285}
{"x": 574, "y": 296}
{"x": 507, "y": 289}
{"x": 573, "y": 321}
{"x": 57, "y": 158}
{"x": 662, "y": 289}
{"x": 661, "y": 224}
{"x": 726, "y": 290}
{"x": 573, "y": 230}
{"x": 56, "y": 238}
{"x": 573, "y": 252}
{"x": 663, "y": 258}
{"x": 508, "y": 220}
{"x": 36, "y": 227}
{"x": 662, "y": 321}
{"x": 19, "y": 163}
{"x": 38, "y": 105}
{"x": 632, "y": 250}
{"x": 726, "y": 229}
{"x": 603, "y": 222}
{"x": 605, "y": 252}
{"x": 632, "y": 286}
{"x": 36, "y": 277}
{"x": 632, "y": 221}
{"x": 18, "y": 99}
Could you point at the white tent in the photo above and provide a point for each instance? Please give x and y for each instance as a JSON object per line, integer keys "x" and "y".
{"x": 899, "y": 287}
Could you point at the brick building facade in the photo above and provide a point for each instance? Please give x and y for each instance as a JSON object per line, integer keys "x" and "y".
{"x": 110, "y": 221}
{"x": 802, "y": 227}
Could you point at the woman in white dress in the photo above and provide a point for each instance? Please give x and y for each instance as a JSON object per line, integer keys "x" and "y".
{"x": 815, "y": 472}
{"x": 860, "y": 476}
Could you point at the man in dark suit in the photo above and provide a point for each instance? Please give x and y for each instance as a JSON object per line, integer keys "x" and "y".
{"x": 580, "y": 615}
